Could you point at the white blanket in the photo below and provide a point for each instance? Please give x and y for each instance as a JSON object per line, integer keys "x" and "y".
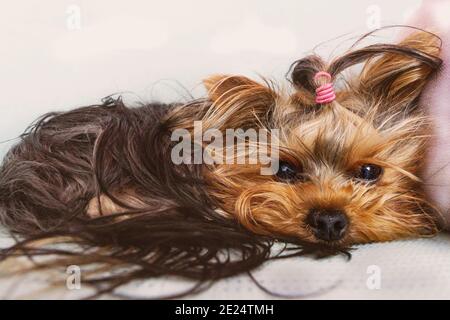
{"x": 410, "y": 269}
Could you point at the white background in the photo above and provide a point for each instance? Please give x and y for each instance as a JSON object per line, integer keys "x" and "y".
{"x": 59, "y": 54}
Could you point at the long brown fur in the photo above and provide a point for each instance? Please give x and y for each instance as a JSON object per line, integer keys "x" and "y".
{"x": 102, "y": 177}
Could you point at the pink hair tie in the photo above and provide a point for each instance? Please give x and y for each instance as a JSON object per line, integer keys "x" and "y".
{"x": 324, "y": 93}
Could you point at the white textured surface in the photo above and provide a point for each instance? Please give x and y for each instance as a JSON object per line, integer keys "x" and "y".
{"x": 413, "y": 269}
{"x": 410, "y": 269}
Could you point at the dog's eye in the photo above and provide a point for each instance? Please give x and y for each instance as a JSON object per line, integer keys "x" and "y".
{"x": 287, "y": 172}
{"x": 369, "y": 172}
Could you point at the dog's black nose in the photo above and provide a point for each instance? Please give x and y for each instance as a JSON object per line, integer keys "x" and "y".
{"x": 328, "y": 224}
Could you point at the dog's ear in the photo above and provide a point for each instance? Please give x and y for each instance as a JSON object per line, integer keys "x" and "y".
{"x": 238, "y": 102}
{"x": 396, "y": 78}
{"x": 220, "y": 86}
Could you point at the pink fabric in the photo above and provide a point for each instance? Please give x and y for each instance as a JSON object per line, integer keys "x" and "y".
{"x": 324, "y": 93}
{"x": 433, "y": 15}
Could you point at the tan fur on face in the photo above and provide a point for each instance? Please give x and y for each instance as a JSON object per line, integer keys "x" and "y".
{"x": 377, "y": 123}
{"x": 329, "y": 148}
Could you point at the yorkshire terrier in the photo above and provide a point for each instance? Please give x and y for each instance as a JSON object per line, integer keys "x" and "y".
{"x": 350, "y": 152}
{"x": 349, "y": 165}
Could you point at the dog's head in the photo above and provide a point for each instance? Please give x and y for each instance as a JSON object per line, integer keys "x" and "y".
{"x": 348, "y": 170}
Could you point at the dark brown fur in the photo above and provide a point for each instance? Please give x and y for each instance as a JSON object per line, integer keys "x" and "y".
{"x": 66, "y": 159}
